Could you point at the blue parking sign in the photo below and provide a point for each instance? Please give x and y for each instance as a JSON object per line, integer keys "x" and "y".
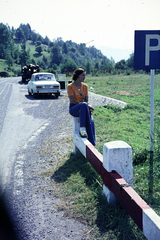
{"x": 147, "y": 50}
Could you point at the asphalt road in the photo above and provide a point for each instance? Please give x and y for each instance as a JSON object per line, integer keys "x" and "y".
{"x": 26, "y": 125}
{"x": 15, "y": 126}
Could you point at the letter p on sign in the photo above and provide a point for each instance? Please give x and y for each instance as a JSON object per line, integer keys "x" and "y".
{"x": 150, "y": 48}
{"x": 147, "y": 50}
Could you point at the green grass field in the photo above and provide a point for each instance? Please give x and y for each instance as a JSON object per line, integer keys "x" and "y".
{"x": 132, "y": 125}
{"x": 77, "y": 183}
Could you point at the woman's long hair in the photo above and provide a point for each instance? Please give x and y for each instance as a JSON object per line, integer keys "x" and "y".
{"x": 77, "y": 72}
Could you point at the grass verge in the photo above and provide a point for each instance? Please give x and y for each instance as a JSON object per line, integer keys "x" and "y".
{"x": 80, "y": 189}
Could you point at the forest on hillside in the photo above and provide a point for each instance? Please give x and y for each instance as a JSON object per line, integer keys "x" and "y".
{"x": 23, "y": 46}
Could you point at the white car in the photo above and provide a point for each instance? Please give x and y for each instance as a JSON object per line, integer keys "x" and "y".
{"x": 43, "y": 83}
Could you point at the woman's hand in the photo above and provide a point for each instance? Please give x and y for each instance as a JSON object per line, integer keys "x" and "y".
{"x": 91, "y": 109}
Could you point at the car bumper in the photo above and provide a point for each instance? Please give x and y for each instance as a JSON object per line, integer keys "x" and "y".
{"x": 45, "y": 91}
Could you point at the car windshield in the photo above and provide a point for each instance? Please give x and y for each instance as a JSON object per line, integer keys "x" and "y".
{"x": 45, "y": 77}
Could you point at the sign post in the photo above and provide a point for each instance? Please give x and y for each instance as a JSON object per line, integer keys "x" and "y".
{"x": 152, "y": 112}
{"x": 151, "y": 135}
{"x": 147, "y": 57}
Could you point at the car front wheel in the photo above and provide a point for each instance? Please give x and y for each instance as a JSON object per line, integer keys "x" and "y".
{"x": 34, "y": 95}
{"x": 57, "y": 95}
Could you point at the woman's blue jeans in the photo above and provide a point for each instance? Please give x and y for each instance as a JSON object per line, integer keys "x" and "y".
{"x": 81, "y": 110}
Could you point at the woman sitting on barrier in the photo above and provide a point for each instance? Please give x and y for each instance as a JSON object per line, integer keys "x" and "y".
{"x": 79, "y": 106}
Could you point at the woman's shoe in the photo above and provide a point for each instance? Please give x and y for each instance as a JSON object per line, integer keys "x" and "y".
{"x": 83, "y": 132}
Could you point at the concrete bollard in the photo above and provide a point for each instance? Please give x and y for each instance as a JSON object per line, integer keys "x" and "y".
{"x": 79, "y": 144}
{"x": 76, "y": 126}
{"x": 117, "y": 156}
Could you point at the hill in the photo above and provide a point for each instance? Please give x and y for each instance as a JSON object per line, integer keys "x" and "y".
{"x": 23, "y": 46}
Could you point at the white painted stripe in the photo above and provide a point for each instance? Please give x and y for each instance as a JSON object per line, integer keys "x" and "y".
{"x": 151, "y": 224}
{"x": 19, "y": 182}
{"x": 38, "y": 132}
{"x": 4, "y": 90}
{"x": 18, "y": 175}
{"x": 20, "y": 162}
{"x": 16, "y": 192}
{"x": 25, "y": 146}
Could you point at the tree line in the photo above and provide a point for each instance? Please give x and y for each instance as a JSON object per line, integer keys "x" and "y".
{"x": 62, "y": 56}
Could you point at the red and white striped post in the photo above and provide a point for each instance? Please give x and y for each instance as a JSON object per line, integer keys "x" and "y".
{"x": 117, "y": 156}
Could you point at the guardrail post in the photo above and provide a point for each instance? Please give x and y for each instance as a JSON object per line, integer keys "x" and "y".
{"x": 117, "y": 156}
{"x": 79, "y": 144}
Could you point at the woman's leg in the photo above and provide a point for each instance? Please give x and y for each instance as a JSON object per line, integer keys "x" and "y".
{"x": 91, "y": 132}
{"x": 81, "y": 110}
{"x": 74, "y": 110}
{"x": 84, "y": 115}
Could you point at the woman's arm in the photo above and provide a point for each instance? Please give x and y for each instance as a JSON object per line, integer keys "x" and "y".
{"x": 73, "y": 100}
{"x": 91, "y": 109}
{"x": 86, "y": 99}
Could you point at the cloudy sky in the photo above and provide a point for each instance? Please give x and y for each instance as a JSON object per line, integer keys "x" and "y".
{"x": 109, "y": 25}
